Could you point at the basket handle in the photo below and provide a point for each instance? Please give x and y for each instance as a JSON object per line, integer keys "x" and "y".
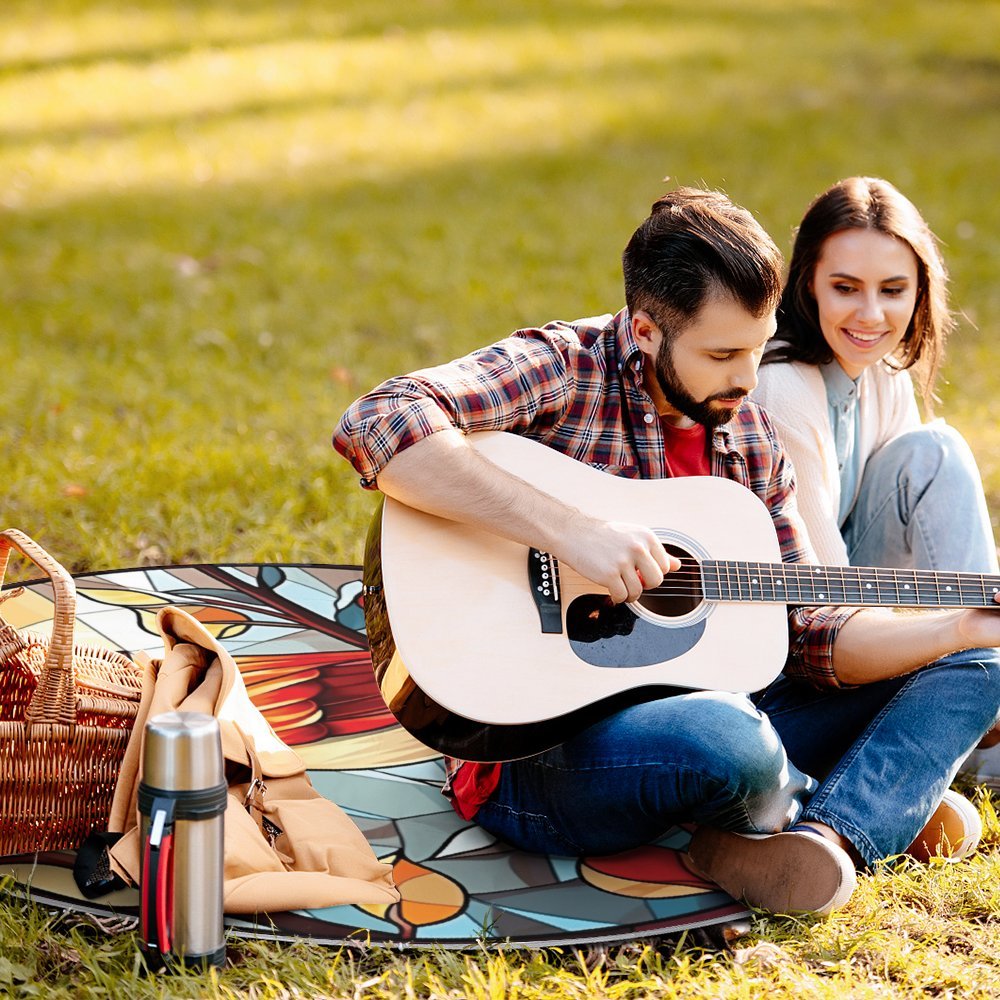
{"x": 54, "y": 700}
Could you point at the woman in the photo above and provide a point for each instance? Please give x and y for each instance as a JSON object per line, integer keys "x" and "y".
{"x": 865, "y": 304}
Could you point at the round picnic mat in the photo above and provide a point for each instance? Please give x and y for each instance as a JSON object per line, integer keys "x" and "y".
{"x": 297, "y": 634}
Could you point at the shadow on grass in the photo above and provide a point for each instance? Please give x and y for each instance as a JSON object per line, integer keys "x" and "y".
{"x": 230, "y": 25}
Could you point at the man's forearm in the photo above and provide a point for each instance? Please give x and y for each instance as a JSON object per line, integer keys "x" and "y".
{"x": 878, "y": 643}
{"x": 444, "y": 475}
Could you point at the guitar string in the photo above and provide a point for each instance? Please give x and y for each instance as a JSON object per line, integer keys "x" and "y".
{"x": 809, "y": 571}
{"x": 688, "y": 581}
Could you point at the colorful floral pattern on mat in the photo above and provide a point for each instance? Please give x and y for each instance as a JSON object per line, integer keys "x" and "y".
{"x": 297, "y": 633}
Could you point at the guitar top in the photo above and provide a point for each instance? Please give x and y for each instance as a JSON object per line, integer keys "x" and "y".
{"x": 485, "y": 649}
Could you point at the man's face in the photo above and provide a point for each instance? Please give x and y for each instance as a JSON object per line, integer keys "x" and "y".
{"x": 703, "y": 374}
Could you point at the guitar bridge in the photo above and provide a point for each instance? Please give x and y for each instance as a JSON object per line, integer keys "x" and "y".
{"x": 543, "y": 578}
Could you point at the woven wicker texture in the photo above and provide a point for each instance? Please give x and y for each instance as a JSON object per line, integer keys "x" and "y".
{"x": 66, "y": 712}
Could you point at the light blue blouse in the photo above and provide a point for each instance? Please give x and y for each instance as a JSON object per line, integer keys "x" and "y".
{"x": 842, "y": 402}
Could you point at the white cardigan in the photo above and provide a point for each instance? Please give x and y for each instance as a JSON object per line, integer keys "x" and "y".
{"x": 794, "y": 395}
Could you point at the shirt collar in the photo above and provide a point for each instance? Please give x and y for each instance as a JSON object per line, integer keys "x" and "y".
{"x": 632, "y": 360}
{"x": 840, "y": 387}
{"x": 630, "y": 357}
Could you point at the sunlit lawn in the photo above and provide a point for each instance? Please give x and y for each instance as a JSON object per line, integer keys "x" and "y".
{"x": 222, "y": 221}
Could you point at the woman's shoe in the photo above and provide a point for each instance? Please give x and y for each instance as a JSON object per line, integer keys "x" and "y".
{"x": 953, "y": 831}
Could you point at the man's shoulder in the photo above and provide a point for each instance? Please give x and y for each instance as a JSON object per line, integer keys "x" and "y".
{"x": 581, "y": 332}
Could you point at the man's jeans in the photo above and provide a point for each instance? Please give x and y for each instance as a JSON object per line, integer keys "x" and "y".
{"x": 884, "y": 753}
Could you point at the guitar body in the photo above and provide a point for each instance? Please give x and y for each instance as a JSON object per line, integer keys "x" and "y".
{"x": 474, "y": 662}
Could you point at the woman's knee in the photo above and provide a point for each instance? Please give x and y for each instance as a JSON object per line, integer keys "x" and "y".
{"x": 923, "y": 454}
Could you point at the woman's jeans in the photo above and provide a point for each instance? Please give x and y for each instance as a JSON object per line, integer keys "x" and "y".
{"x": 920, "y": 505}
{"x": 884, "y": 753}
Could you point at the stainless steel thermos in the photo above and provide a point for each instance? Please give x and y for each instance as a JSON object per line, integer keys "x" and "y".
{"x": 182, "y": 802}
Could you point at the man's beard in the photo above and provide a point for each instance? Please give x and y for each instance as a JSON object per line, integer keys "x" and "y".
{"x": 680, "y": 399}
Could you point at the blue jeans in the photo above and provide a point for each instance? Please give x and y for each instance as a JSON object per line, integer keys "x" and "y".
{"x": 707, "y": 757}
{"x": 884, "y": 753}
{"x": 921, "y": 506}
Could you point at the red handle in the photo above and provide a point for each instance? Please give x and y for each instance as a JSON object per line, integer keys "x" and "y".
{"x": 156, "y": 901}
{"x": 165, "y": 894}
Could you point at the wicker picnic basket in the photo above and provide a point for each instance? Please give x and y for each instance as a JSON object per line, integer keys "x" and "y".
{"x": 66, "y": 712}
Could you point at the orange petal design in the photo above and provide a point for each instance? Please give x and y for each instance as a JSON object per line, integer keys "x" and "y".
{"x": 426, "y": 896}
{"x": 293, "y": 715}
{"x": 258, "y": 686}
{"x": 285, "y": 695}
{"x": 304, "y": 735}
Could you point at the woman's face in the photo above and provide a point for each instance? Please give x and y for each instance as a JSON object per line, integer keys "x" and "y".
{"x": 865, "y": 285}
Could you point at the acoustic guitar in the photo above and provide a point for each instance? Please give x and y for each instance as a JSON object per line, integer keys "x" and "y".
{"x": 485, "y": 649}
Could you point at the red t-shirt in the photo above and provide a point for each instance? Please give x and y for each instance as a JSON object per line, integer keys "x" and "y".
{"x": 686, "y": 455}
{"x": 686, "y": 450}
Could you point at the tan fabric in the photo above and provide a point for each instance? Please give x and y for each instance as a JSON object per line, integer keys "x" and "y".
{"x": 318, "y": 858}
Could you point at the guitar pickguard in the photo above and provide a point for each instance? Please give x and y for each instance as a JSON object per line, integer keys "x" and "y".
{"x": 613, "y": 635}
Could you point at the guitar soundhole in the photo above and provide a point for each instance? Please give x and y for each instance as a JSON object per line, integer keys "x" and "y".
{"x": 680, "y": 593}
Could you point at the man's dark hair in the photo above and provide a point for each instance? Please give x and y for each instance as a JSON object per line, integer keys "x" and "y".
{"x": 694, "y": 244}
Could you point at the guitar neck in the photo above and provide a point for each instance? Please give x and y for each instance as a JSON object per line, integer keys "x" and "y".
{"x": 801, "y": 583}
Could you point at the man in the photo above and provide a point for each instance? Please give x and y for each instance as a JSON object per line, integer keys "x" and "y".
{"x": 852, "y": 749}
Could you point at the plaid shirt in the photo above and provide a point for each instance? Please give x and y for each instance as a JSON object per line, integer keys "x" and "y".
{"x": 577, "y": 387}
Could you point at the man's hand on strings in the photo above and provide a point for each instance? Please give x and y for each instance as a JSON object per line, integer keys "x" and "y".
{"x": 624, "y": 558}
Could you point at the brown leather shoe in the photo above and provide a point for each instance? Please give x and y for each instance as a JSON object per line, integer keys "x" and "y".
{"x": 788, "y": 872}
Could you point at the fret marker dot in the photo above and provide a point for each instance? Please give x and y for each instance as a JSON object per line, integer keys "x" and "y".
{"x": 906, "y": 586}
{"x": 823, "y": 596}
{"x": 780, "y": 582}
{"x": 868, "y": 586}
{"x": 753, "y": 579}
{"x": 947, "y": 588}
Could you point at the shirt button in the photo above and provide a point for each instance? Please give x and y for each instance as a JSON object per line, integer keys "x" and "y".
{"x": 648, "y": 418}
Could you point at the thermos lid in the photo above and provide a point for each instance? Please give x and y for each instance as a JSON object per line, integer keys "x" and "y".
{"x": 182, "y": 752}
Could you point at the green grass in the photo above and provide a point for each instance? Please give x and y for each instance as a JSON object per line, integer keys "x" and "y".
{"x": 221, "y": 221}
{"x": 909, "y": 932}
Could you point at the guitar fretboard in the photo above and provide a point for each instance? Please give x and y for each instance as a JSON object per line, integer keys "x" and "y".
{"x": 800, "y": 583}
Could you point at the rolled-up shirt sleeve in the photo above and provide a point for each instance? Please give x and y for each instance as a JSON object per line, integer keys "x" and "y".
{"x": 811, "y": 631}
{"x": 515, "y": 384}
